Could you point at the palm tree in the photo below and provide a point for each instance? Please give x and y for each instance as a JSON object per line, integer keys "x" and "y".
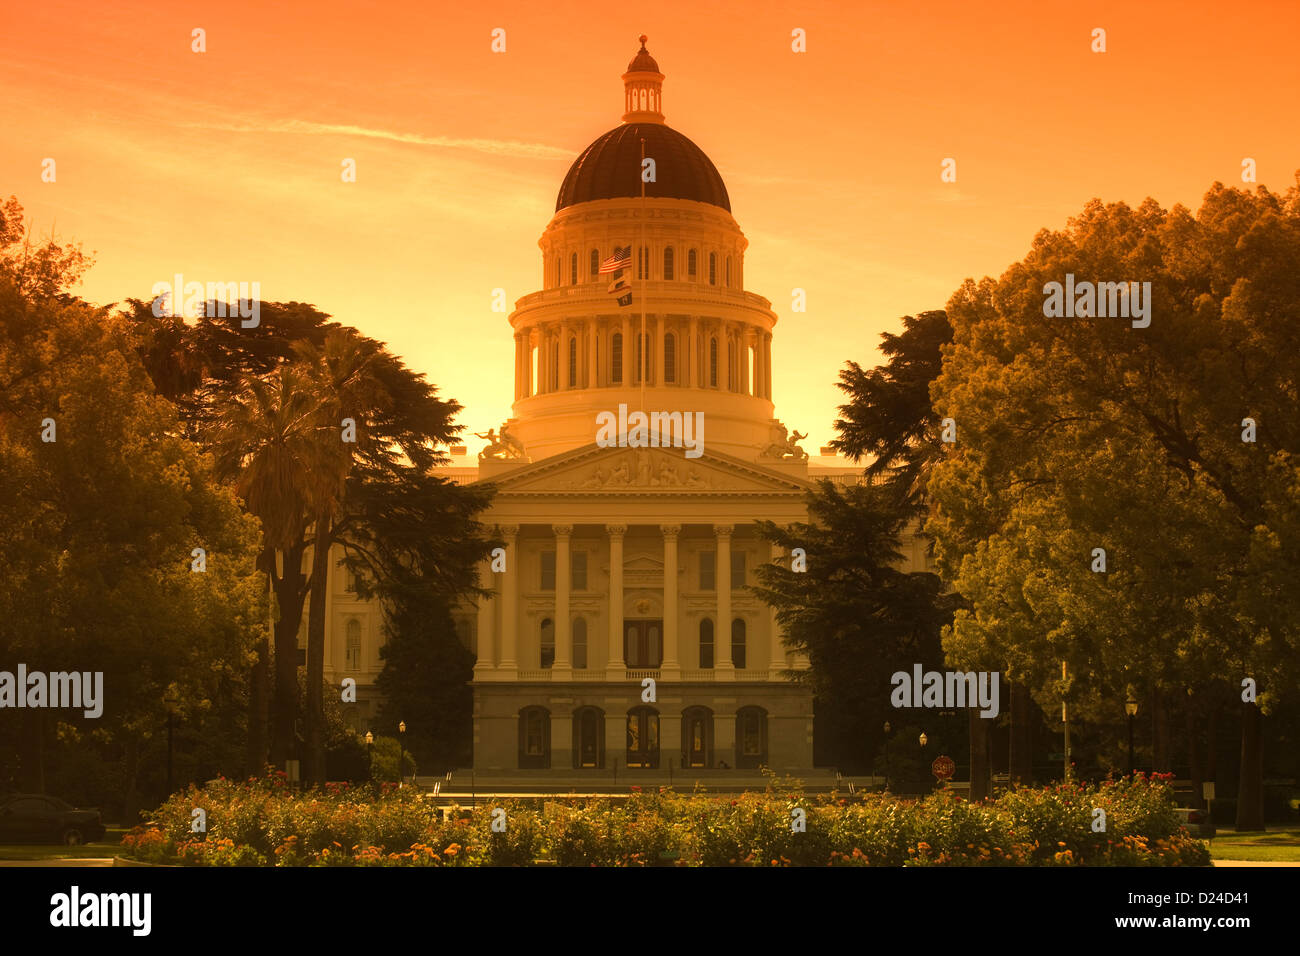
{"x": 267, "y": 441}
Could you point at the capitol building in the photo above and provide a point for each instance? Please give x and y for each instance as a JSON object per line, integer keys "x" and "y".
{"x": 625, "y": 561}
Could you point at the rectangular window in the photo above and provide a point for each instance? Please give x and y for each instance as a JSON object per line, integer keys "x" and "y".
{"x": 708, "y": 560}
{"x": 548, "y": 570}
{"x": 579, "y": 570}
{"x": 706, "y": 647}
{"x": 737, "y": 570}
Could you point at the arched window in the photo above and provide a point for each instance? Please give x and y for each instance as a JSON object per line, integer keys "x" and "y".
{"x": 588, "y": 738}
{"x": 580, "y": 643}
{"x": 534, "y": 738}
{"x": 690, "y": 264}
{"x": 697, "y": 737}
{"x": 668, "y": 262}
{"x": 595, "y": 263}
{"x": 706, "y": 644}
{"x": 670, "y": 357}
{"x": 573, "y": 269}
{"x": 738, "y": 644}
{"x": 713, "y": 269}
{"x": 728, "y": 272}
{"x": 616, "y": 359}
{"x": 548, "y": 643}
{"x": 573, "y": 362}
{"x": 643, "y": 738}
{"x": 751, "y": 738}
{"x": 354, "y": 644}
{"x": 713, "y": 362}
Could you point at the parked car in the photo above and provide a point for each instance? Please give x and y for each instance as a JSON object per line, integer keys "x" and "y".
{"x": 36, "y": 818}
{"x": 1197, "y": 822}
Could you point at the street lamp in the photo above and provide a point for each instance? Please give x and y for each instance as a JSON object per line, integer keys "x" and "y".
{"x": 171, "y": 701}
{"x": 924, "y": 739}
{"x": 1131, "y": 709}
{"x": 370, "y": 755}
{"x": 888, "y": 728}
{"x": 401, "y": 749}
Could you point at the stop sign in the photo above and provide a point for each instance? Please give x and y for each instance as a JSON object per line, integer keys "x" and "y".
{"x": 943, "y": 767}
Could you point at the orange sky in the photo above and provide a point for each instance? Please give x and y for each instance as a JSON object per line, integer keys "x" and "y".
{"x": 225, "y": 165}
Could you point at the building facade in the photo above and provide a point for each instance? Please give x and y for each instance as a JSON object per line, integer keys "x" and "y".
{"x": 619, "y": 632}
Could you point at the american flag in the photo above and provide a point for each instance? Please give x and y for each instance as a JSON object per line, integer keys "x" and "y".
{"x": 620, "y": 258}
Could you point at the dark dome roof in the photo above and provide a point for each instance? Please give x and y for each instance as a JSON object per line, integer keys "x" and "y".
{"x": 643, "y": 62}
{"x": 610, "y": 168}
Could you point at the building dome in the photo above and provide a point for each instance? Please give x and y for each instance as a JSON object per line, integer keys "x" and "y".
{"x": 610, "y": 168}
{"x": 643, "y": 62}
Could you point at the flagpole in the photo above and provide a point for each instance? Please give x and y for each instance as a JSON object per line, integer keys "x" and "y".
{"x": 644, "y": 346}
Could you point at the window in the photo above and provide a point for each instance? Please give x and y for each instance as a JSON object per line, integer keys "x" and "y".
{"x": 738, "y": 644}
{"x": 580, "y": 643}
{"x": 354, "y": 645}
{"x": 690, "y": 264}
{"x": 534, "y": 738}
{"x": 548, "y": 643}
{"x": 643, "y": 738}
{"x": 548, "y": 571}
{"x": 349, "y": 579}
{"x": 670, "y": 357}
{"x": 737, "y": 570}
{"x": 616, "y": 361}
{"x": 573, "y": 362}
{"x": 643, "y": 263}
{"x": 595, "y": 263}
{"x": 588, "y": 737}
{"x": 713, "y": 269}
{"x": 707, "y": 568}
{"x": 668, "y": 262}
{"x": 706, "y": 644}
{"x": 578, "y": 570}
{"x": 641, "y": 644}
{"x": 751, "y": 737}
{"x": 642, "y": 351}
{"x": 713, "y": 362}
{"x": 573, "y": 269}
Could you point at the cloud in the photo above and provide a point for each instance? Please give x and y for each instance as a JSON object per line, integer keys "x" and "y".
{"x": 495, "y": 147}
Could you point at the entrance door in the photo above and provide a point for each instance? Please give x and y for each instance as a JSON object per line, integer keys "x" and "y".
{"x": 697, "y": 740}
{"x": 588, "y": 739}
{"x": 642, "y": 738}
{"x": 642, "y": 646}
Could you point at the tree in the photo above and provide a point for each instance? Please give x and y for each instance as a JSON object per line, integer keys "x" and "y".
{"x": 1091, "y": 433}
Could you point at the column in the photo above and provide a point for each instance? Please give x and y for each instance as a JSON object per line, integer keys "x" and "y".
{"x": 767, "y": 364}
{"x": 776, "y": 650}
{"x": 670, "y": 664}
{"x": 742, "y": 348}
{"x": 724, "y": 358}
{"x": 724, "y": 735}
{"x": 693, "y": 355}
{"x": 530, "y": 387}
{"x": 629, "y": 350}
{"x": 593, "y": 346}
{"x": 723, "y": 668}
{"x": 510, "y": 602}
{"x": 486, "y": 659}
{"x": 562, "y": 740}
{"x": 564, "y": 356}
{"x": 563, "y": 626}
{"x": 656, "y": 362}
{"x": 518, "y": 367}
{"x": 615, "y": 669}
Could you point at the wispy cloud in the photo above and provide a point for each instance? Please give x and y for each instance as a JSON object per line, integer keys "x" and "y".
{"x": 495, "y": 147}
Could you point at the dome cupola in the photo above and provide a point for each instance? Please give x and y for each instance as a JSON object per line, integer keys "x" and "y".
{"x": 643, "y": 89}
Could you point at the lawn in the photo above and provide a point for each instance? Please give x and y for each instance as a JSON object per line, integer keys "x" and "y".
{"x": 110, "y": 846}
{"x": 1275, "y": 846}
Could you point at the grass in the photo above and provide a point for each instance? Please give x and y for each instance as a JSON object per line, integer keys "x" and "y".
{"x": 110, "y": 846}
{"x": 1275, "y": 846}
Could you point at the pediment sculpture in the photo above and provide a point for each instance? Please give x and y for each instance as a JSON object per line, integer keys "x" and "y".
{"x": 500, "y": 447}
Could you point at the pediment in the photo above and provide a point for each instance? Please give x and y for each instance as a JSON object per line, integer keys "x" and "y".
{"x": 593, "y": 470}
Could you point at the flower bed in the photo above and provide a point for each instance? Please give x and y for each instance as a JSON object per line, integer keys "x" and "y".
{"x": 262, "y": 823}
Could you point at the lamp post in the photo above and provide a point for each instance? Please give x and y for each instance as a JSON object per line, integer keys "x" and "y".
{"x": 924, "y": 739}
{"x": 370, "y": 755}
{"x": 888, "y": 728}
{"x": 401, "y": 749}
{"x": 170, "y": 701}
{"x": 1131, "y": 709}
